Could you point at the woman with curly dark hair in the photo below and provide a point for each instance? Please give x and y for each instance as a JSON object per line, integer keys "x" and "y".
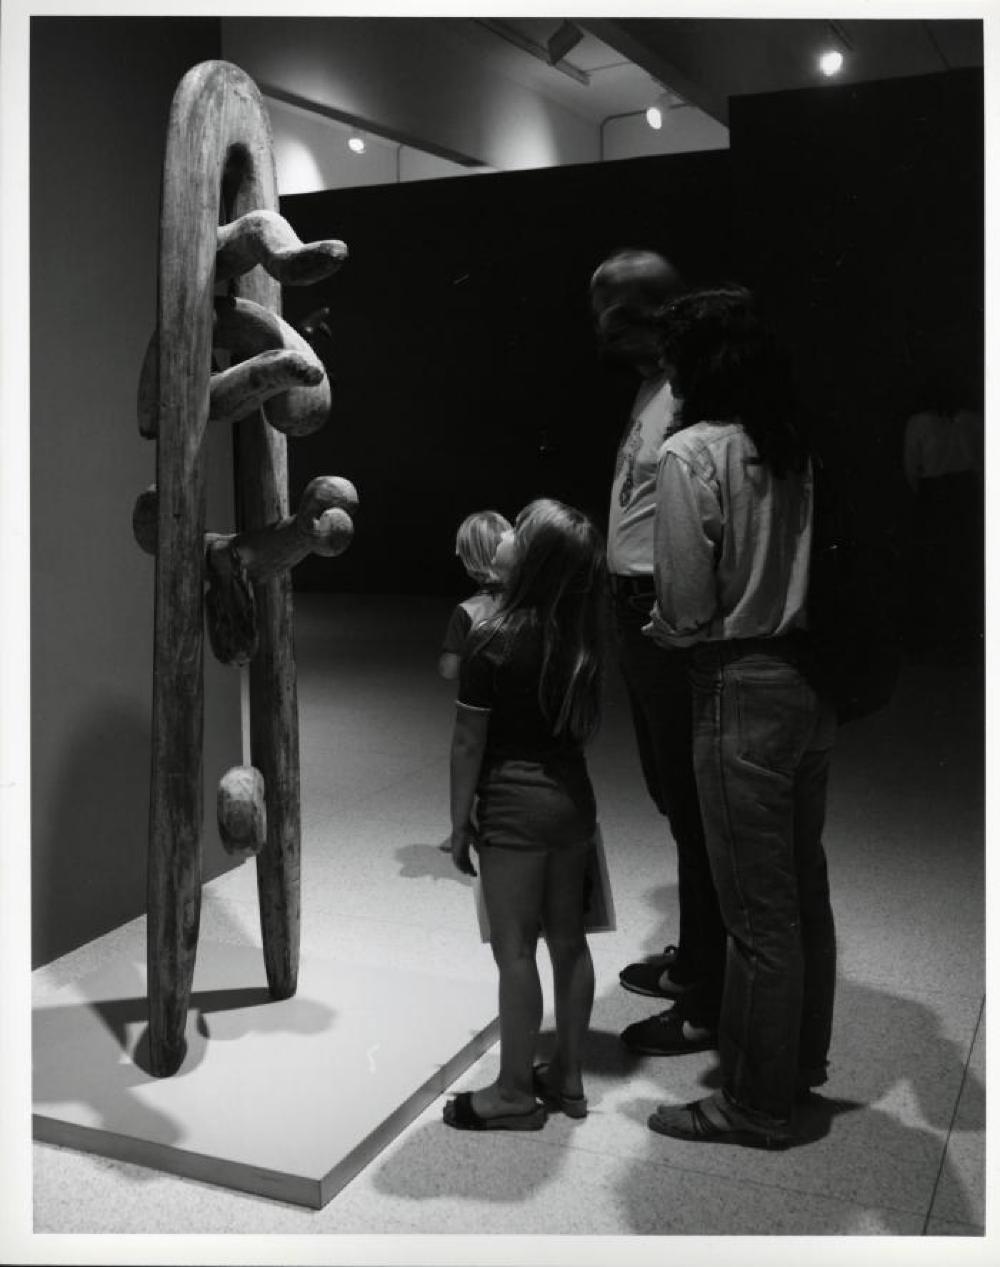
{"x": 732, "y": 545}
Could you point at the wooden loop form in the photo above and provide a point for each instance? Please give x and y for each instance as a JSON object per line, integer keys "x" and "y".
{"x": 218, "y": 148}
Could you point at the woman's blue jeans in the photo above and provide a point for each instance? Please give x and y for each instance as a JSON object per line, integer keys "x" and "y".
{"x": 762, "y": 743}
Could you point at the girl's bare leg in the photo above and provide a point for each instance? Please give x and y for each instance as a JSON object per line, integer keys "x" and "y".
{"x": 513, "y": 886}
{"x": 572, "y": 966}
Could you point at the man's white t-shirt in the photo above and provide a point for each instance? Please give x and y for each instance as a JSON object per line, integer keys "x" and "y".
{"x": 633, "y": 491}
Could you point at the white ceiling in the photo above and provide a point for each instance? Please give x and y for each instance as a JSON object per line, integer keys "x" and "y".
{"x": 594, "y": 80}
{"x": 618, "y": 65}
{"x": 499, "y": 94}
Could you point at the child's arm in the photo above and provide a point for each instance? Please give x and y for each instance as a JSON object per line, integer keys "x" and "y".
{"x": 450, "y": 658}
{"x": 468, "y": 743}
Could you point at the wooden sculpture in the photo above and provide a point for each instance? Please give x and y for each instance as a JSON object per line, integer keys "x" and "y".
{"x": 220, "y": 230}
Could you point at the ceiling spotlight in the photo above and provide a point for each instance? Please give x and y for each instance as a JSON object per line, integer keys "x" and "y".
{"x": 356, "y": 143}
{"x": 657, "y": 111}
{"x": 832, "y": 62}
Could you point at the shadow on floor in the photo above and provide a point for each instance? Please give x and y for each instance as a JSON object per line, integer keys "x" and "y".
{"x": 885, "y": 1048}
{"x": 877, "y": 1155}
{"x": 96, "y": 1054}
{"x": 431, "y": 861}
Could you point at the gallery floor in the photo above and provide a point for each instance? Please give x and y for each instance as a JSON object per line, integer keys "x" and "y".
{"x": 896, "y": 1146}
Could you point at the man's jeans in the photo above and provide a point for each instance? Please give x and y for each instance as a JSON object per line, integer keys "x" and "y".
{"x": 660, "y": 697}
{"x": 762, "y": 742}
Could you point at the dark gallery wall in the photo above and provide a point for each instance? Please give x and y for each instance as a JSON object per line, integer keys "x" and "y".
{"x": 861, "y": 222}
{"x": 100, "y": 94}
{"x": 464, "y": 367}
{"x": 460, "y": 341}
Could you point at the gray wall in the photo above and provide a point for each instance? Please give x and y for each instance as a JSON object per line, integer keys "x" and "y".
{"x": 100, "y": 95}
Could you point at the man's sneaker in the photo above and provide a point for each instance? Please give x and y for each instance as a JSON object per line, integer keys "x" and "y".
{"x": 652, "y": 977}
{"x": 668, "y": 1034}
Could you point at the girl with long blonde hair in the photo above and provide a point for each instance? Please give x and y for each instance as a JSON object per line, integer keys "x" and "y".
{"x": 528, "y": 701}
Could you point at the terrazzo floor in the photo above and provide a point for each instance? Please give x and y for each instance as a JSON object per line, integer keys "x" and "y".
{"x": 896, "y": 1143}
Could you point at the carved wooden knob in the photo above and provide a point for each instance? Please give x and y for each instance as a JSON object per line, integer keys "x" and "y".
{"x": 324, "y": 517}
{"x": 234, "y": 564}
{"x": 241, "y": 811}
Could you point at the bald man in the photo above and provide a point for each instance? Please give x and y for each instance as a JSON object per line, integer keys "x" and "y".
{"x": 629, "y": 292}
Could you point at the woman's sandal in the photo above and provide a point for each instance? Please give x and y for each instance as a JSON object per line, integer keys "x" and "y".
{"x": 691, "y": 1122}
{"x": 571, "y": 1105}
{"x": 460, "y": 1114}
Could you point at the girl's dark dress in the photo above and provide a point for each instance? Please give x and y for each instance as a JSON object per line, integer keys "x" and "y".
{"x": 534, "y": 791}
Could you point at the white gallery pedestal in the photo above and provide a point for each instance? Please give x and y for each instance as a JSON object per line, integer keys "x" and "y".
{"x": 288, "y": 1100}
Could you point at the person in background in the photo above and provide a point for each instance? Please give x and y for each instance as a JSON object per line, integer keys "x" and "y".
{"x": 945, "y": 437}
{"x": 475, "y": 545}
{"x": 943, "y": 465}
{"x": 732, "y": 530}
{"x": 627, "y": 293}
{"x": 529, "y": 699}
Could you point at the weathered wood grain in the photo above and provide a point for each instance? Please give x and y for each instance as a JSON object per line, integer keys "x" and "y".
{"x": 252, "y": 382}
{"x": 188, "y": 219}
{"x": 246, "y": 330}
{"x": 219, "y": 153}
{"x": 230, "y": 603}
{"x": 265, "y": 237}
{"x": 269, "y": 362}
{"x": 217, "y": 133}
{"x": 262, "y": 499}
{"x": 235, "y": 564}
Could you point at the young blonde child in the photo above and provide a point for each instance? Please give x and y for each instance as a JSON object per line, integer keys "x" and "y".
{"x": 528, "y": 701}
{"x": 475, "y": 545}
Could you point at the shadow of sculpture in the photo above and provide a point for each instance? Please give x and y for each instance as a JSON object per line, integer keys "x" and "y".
{"x": 91, "y": 1059}
{"x": 121, "y": 1017}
